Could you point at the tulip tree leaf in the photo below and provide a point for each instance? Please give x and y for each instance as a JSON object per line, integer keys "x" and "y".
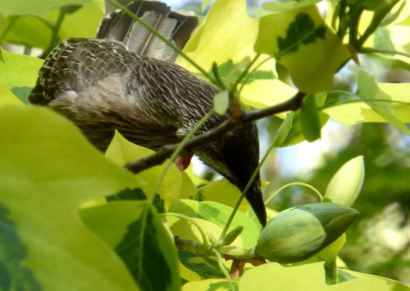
{"x": 222, "y": 191}
{"x": 174, "y": 184}
{"x": 47, "y": 170}
{"x": 212, "y": 284}
{"x": 135, "y": 231}
{"x": 218, "y": 214}
{"x": 301, "y": 41}
{"x": 368, "y": 91}
{"x": 18, "y": 70}
{"x": 33, "y": 31}
{"x": 300, "y": 32}
{"x": 7, "y": 97}
{"x": 202, "y": 264}
{"x": 310, "y": 277}
{"x": 345, "y": 185}
{"x": 228, "y": 32}
{"x": 350, "y": 109}
{"x": 309, "y": 119}
{"x": 40, "y": 7}
{"x": 288, "y": 5}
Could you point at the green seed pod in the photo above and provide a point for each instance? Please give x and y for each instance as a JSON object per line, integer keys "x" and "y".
{"x": 300, "y": 232}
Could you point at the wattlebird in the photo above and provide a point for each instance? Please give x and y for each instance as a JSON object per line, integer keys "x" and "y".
{"x": 126, "y": 80}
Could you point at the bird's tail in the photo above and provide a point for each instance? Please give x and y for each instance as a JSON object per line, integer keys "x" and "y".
{"x": 175, "y": 27}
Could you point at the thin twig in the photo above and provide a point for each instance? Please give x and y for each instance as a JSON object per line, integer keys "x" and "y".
{"x": 166, "y": 151}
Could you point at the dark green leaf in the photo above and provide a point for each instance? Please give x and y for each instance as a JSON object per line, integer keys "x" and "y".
{"x": 301, "y": 31}
{"x": 142, "y": 250}
{"x": 309, "y": 119}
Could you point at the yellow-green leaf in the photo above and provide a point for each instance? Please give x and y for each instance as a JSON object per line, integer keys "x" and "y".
{"x": 302, "y": 42}
{"x": 47, "y": 170}
{"x": 172, "y": 187}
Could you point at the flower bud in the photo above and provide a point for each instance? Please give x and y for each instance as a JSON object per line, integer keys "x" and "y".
{"x": 300, "y": 232}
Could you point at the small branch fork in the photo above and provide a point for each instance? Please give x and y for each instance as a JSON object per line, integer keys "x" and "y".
{"x": 166, "y": 151}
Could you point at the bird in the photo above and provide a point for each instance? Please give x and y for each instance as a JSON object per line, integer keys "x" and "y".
{"x": 126, "y": 79}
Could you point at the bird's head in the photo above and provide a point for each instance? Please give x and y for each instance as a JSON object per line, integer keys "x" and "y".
{"x": 236, "y": 156}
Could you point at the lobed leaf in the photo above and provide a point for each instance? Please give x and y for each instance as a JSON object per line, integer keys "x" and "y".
{"x": 302, "y": 42}
{"x": 47, "y": 170}
{"x": 136, "y": 232}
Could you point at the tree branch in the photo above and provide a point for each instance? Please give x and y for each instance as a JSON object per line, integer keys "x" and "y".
{"x": 166, "y": 151}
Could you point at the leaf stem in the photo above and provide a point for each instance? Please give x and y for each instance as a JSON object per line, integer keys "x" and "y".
{"x": 383, "y": 51}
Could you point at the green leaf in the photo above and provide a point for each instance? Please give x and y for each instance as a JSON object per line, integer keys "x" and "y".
{"x": 300, "y": 32}
{"x": 221, "y": 102}
{"x": 346, "y": 184}
{"x": 136, "y": 232}
{"x": 302, "y": 42}
{"x": 288, "y": 5}
{"x": 19, "y": 70}
{"x": 212, "y": 284}
{"x": 218, "y": 214}
{"x": 1, "y": 56}
{"x": 263, "y": 93}
{"x": 227, "y": 33}
{"x": 368, "y": 91}
{"x": 222, "y": 191}
{"x": 309, "y": 119}
{"x": 310, "y": 277}
{"x": 40, "y": 7}
{"x": 350, "y": 109}
{"x": 175, "y": 183}
{"x": 7, "y": 97}
{"x": 34, "y": 31}
{"x": 290, "y": 132}
{"x": 47, "y": 170}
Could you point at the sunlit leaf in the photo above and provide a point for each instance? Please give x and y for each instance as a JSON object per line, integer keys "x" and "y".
{"x": 33, "y": 31}
{"x": 7, "y": 97}
{"x": 263, "y": 93}
{"x": 310, "y": 277}
{"x": 228, "y": 32}
{"x": 218, "y": 214}
{"x": 368, "y": 91}
{"x": 122, "y": 151}
{"x": 47, "y": 170}
{"x": 302, "y": 42}
{"x": 18, "y": 70}
{"x": 393, "y": 97}
{"x": 211, "y": 284}
{"x": 135, "y": 231}
{"x": 288, "y": 5}
{"x": 40, "y": 7}
{"x": 224, "y": 192}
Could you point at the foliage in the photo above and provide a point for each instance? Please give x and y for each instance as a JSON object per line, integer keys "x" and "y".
{"x": 102, "y": 228}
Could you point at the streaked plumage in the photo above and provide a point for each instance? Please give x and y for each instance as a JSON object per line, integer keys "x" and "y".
{"x": 126, "y": 80}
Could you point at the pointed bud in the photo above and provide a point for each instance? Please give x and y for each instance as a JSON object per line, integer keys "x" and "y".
{"x": 300, "y": 232}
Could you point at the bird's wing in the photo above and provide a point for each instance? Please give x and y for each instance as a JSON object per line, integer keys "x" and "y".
{"x": 172, "y": 94}
{"x": 86, "y": 80}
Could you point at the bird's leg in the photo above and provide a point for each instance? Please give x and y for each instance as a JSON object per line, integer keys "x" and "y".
{"x": 183, "y": 160}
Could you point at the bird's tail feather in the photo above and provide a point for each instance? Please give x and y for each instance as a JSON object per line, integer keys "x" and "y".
{"x": 175, "y": 27}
